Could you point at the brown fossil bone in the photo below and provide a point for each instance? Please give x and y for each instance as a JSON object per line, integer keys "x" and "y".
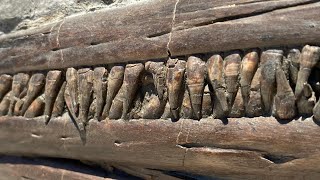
{"x": 71, "y": 92}
{"x": 255, "y": 105}
{"x": 53, "y": 84}
{"x": 270, "y": 60}
{"x": 85, "y": 85}
{"x": 249, "y": 66}
{"x": 186, "y": 111}
{"x": 294, "y": 64}
{"x": 195, "y": 80}
{"x": 232, "y": 64}
{"x": 19, "y": 85}
{"x": 123, "y": 100}
{"x": 216, "y": 78}
{"x": 115, "y": 80}
{"x": 59, "y": 104}
{"x": 5, "y": 103}
{"x": 158, "y": 70}
{"x": 100, "y": 75}
{"x": 175, "y": 77}
{"x": 284, "y": 100}
{"x": 5, "y": 84}
{"x": 36, "y": 108}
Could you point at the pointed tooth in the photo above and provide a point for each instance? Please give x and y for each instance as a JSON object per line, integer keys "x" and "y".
{"x": 35, "y": 87}
{"x": 270, "y": 59}
{"x": 5, "y": 103}
{"x": 19, "y": 83}
{"x": 293, "y": 57}
{"x": 284, "y": 99}
{"x": 127, "y": 92}
{"x": 59, "y": 103}
{"x": 255, "y": 105}
{"x": 72, "y": 91}
{"x": 186, "y": 111}
{"x": 232, "y": 64}
{"x": 308, "y": 59}
{"x": 85, "y": 85}
{"x": 215, "y": 74}
{"x": 36, "y": 108}
{"x": 52, "y": 87}
{"x": 167, "y": 112}
{"x": 175, "y": 75}
{"x": 238, "y": 109}
{"x": 307, "y": 101}
{"x": 115, "y": 80}
{"x": 69, "y": 101}
{"x": 249, "y": 66}
{"x": 195, "y": 72}
{"x": 158, "y": 70}
{"x": 5, "y": 85}
{"x": 99, "y": 90}
{"x": 207, "y": 102}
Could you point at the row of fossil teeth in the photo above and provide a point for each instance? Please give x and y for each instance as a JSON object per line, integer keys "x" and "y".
{"x": 233, "y": 86}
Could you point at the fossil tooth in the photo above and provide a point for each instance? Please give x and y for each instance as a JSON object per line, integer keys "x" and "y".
{"x": 123, "y": 100}
{"x": 238, "y": 108}
{"x": 255, "y": 106}
{"x": 308, "y": 59}
{"x": 316, "y": 111}
{"x": 207, "y": 102}
{"x": 18, "y": 106}
{"x": 99, "y": 90}
{"x": 71, "y": 92}
{"x": 293, "y": 57}
{"x": 186, "y": 111}
{"x": 232, "y": 65}
{"x": 53, "y": 84}
{"x": 85, "y": 82}
{"x": 175, "y": 75}
{"x": 270, "y": 59}
{"x": 249, "y": 66}
{"x": 19, "y": 83}
{"x": 115, "y": 80}
{"x": 5, "y": 103}
{"x": 158, "y": 70}
{"x": 195, "y": 71}
{"x": 36, "y": 108}
{"x": 216, "y": 77}
{"x": 284, "y": 100}
{"x": 35, "y": 87}
{"x": 307, "y": 101}
{"x": 59, "y": 103}
{"x": 5, "y": 85}
{"x": 167, "y": 114}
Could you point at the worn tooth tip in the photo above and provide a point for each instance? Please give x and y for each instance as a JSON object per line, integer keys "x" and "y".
{"x": 46, "y": 118}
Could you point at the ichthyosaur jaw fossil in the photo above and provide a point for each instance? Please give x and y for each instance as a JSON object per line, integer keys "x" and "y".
{"x": 182, "y": 90}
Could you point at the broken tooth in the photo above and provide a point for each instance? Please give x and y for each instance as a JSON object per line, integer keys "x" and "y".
{"x": 308, "y": 59}
{"x": 270, "y": 60}
{"x": 99, "y": 90}
{"x": 53, "y": 83}
{"x": 174, "y": 81}
{"x": 59, "y": 103}
{"x": 36, "y": 108}
{"x": 123, "y": 100}
{"x": 249, "y": 66}
{"x": 71, "y": 92}
{"x": 255, "y": 105}
{"x": 5, "y": 85}
{"x": 284, "y": 100}
{"x": 307, "y": 101}
{"x": 115, "y": 80}
{"x": 215, "y": 75}
{"x": 158, "y": 70}
{"x": 195, "y": 72}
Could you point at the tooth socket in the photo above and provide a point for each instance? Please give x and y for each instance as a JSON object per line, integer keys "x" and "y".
{"x": 36, "y": 108}
{"x": 5, "y": 85}
{"x": 115, "y": 80}
{"x": 100, "y": 75}
{"x": 85, "y": 82}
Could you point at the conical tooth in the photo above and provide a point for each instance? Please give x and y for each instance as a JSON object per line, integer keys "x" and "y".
{"x": 5, "y": 103}
{"x": 232, "y": 65}
{"x": 115, "y": 80}
{"x": 167, "y": 112}
{"x": 85, "y": 81}
{"x": 284, "y": 99}
{"x": 215, "y": 74}
{"x": 207, "y": 102}
{"x": 99, "y": 90}
{"x": 270, "y": 59}
{"x": 59, "y": 103}
{"x": 18, "y": 106}
{"x": 307, "y": 101}
{"x": 175, "y": 74}
{"x": 195, "y": 71}
{"x": 19, "y": 83}
{"x": 255, "y": 106}
{"x": 71, "y": 92}
{"x": 238, "y": 109}
{"x": 293, "y": 57}
{"x": 36, "y": 108}
{"x": 35, "y": 87}
{"x": 308, "y": 59}
{"x": 249, "y": 66}
{"x": 53, "y": 84}
{"x": 158, "y": 70}
{"x": 5, "y": 85}
{"x": 186, "y": 111}
{"x": 127, "y": 92}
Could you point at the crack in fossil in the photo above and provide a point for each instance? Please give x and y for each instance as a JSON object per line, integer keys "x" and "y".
{"x": 172, "y": 26}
